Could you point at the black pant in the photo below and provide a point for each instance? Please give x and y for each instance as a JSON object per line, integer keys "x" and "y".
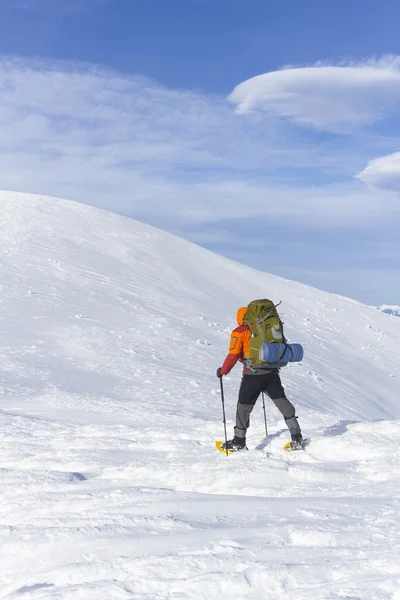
{"x": 250, "y": 389}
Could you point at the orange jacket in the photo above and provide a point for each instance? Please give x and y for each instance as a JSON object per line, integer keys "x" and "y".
{"x": 239, "y": 344}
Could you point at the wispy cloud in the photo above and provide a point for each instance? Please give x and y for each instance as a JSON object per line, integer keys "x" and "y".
{"x": 360, "y": 281}
{"x": 131, "y": 145}
{"x": 383, "y": 172}
{"x": 338, "y": 98}
{"x": 184, "y": 161}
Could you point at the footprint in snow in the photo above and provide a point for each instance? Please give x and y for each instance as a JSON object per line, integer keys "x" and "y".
{"x": 31, "y": 588}
{"x": 77, "y": 477}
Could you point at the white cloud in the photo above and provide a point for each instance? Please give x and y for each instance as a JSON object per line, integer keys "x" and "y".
{"x": 337, "y": 98}
{"x": 128, "y": 119}
{"x": 130, "y": 145}
{"x": 361, "y": 281}
{"x": 185, "y": 162}
{"x": 383, "y": 172}
{"x": 340, "y": 205}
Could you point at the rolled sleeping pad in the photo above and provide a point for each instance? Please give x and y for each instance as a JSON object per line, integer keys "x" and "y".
{"x": 281, "y": 353}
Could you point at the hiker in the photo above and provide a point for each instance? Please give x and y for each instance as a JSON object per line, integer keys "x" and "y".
{"x": 256, "y": 379}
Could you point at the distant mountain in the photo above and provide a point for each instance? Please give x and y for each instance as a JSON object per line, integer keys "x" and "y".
{"x": 390, "y": 310}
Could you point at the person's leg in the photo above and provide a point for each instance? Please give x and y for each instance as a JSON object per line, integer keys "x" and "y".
{"x": 274, "y": 388}
{"x": 250, "y": 389}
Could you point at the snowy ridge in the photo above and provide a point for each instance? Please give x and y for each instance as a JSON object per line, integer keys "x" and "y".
{"x": 111, "y": 334}
{"x": 390, "y": 310}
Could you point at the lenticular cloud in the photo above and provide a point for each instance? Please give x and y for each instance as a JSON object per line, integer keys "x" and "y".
{"x": 383, "y": 172}
{"x": 336, "y": 98}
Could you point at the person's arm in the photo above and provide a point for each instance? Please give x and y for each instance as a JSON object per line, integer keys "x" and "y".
{"x": 235, "y": 352}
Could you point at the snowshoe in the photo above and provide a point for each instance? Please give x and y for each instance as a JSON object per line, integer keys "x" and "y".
{"x": 297, "y": 443}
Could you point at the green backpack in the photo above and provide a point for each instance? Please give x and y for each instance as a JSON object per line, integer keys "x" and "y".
{"x": 265, "y": 325}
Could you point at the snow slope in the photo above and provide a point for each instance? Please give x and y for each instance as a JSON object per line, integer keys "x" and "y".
{"x": 111, "y": 486}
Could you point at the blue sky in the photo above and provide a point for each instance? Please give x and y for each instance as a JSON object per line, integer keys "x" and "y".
{"x": 268, "y": 132}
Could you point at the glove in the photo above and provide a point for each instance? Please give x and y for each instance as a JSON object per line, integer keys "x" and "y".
{"x": 219, "y": 375}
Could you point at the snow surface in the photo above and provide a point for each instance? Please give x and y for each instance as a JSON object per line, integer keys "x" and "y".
{"x": 111, "y": 487}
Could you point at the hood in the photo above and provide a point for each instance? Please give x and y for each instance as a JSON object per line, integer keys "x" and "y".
{"x": 240, "y": 314}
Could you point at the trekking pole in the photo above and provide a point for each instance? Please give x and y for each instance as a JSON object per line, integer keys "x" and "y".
{"x": 223, "y": 413}
{"x": 265, "y": 415}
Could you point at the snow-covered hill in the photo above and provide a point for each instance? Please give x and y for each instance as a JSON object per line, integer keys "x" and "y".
{"x": 390, "y": 310}
{"x": 111, "y": 486}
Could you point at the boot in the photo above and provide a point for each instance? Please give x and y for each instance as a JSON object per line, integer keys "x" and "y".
{"x": 297, "y": 441}
{"x": 235, "y": 445}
